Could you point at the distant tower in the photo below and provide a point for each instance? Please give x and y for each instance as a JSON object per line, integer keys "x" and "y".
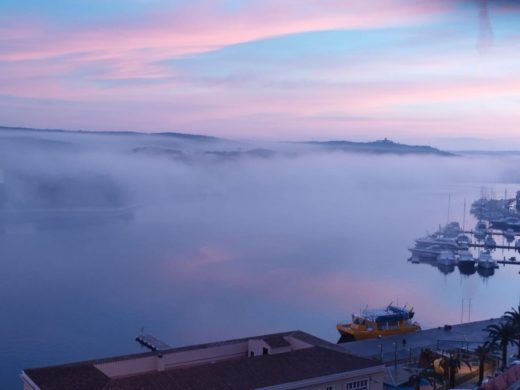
{"x": 518, "y": 200}
{"x": 486, "y": 35}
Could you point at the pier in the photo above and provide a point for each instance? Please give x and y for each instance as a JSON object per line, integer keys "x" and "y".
{"x": 506, "y": 247}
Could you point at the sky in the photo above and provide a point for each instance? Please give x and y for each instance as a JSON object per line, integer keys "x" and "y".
{"x": 412, "y": 70}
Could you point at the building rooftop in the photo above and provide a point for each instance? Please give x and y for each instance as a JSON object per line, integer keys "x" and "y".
{"x": 283, "y": 358}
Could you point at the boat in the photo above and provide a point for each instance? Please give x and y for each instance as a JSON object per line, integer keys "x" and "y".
{"x": 465, "y": 257}
{"x": 486, "y": 261}
{"x": 426, "y": 252}
{"x": 446, "y": 269}
{"x": 370, "y": 324}
{"x": 452, "y": 229}
{"x": 486, "y": 272}
{"x": 466, "y": 262}
{"x": 446, "y": 258}
{"x": 509, "y": 235}
{"x": 490, "y": 242}
{"x": 448, "y": 242}
{"x": 464, "y": 241}
{"x": 480, "y": 230}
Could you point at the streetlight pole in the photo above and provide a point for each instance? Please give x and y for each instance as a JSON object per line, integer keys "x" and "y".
{"x": 395, "y": 355}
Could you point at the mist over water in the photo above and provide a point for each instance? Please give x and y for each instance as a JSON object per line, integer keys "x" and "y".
{"x": 101, "y": 235}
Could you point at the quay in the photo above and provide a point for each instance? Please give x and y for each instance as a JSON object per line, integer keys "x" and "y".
{"x": 400, "y": 348}
{"x": 400, "y": 352}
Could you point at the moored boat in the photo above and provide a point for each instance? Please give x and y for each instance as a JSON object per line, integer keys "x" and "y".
{"x": 486, "y": 261}
{"x": 509, "y": 235}
{"x": 446, "y": 258}
{"x": 369, "y": 324}
{"x": 490, "y": 242}
{"x": 480, "y": 230}
{"x": 466, "y": 262}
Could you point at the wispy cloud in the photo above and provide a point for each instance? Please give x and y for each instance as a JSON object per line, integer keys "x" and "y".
{"x": 206, "y": 66}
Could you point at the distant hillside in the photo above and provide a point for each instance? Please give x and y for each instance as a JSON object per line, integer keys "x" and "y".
{"x": 379, "y": 147}
{"x": 183, "y": 136}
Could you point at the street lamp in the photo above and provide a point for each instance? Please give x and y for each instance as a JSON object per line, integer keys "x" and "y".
{"x": 395, "y": 355}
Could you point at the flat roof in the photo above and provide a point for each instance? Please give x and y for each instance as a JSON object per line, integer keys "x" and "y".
{"x": 240, "y": 373}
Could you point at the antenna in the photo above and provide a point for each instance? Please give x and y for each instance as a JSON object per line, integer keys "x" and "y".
{"x": 462, "y": 312}
{"x": 469, "y": 311}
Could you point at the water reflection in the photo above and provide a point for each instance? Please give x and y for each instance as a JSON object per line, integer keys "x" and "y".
{"x": 485, "y": 272}
{"x": 446, "y": 269}
{"x": 467, "y": 269}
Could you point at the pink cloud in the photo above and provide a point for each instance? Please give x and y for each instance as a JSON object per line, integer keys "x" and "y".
{"x": 200, "y": 27}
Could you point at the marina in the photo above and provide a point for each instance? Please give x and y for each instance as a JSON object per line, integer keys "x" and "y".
{"x": 472, "y": 250}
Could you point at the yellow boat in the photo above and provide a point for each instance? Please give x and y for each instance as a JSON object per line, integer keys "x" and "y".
{"x": 371, "y": 324}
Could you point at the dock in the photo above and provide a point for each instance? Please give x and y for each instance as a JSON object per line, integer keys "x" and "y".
{"x": 506, "y": 247}
{"x": 152, "y": 343}
{"x": 495, "y": 232}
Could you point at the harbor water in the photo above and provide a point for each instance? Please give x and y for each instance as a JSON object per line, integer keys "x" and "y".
{"x": 232, "y": 250}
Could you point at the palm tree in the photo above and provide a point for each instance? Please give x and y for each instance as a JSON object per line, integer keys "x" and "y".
{"x": 501, "y": 335}
{"x": 513, "y": 317}
{"x": 426, "y": 373}
{"x": 483, "y": 351}
{"x": 451, "y": 365}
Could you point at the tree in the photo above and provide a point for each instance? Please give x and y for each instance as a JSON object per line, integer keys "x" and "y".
{"x": 501, "y": 335}
{"x": 513, "y": 317}
{"x": 426, "y": 373}
{"x": 483, "y": 351}
{"x": 451, "y": 365}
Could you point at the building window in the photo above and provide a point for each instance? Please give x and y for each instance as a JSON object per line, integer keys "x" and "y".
{"x": 330, "y": 387}
{"x": 357, "y": 385}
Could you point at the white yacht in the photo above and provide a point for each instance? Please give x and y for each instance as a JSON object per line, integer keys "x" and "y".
{"x": 490, "y": 242}
{"x": 465, "y": 258}
{"x": 464, "y": 241}
{"x": 446, "y": 258}
{"x": 485, "y": 260}
{"x": 480, "y": 230}
{"x": 426, "y": 251}
{"x": 509, "y": 235}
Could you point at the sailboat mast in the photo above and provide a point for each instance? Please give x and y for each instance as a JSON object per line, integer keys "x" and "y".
{"x": 449, "y": 206}
{"x": 464, "y": 217}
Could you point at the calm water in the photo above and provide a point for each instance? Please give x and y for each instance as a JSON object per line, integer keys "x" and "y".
{"x": 234, "y": 249}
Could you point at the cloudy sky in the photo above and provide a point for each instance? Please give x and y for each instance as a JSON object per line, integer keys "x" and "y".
{"x": 272, "y": 69}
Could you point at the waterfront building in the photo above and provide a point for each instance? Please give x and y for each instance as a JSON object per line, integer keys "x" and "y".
{"x": 291, "y": 360}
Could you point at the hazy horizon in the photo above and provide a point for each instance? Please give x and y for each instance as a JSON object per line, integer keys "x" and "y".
{"x": 448, "y": 144}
